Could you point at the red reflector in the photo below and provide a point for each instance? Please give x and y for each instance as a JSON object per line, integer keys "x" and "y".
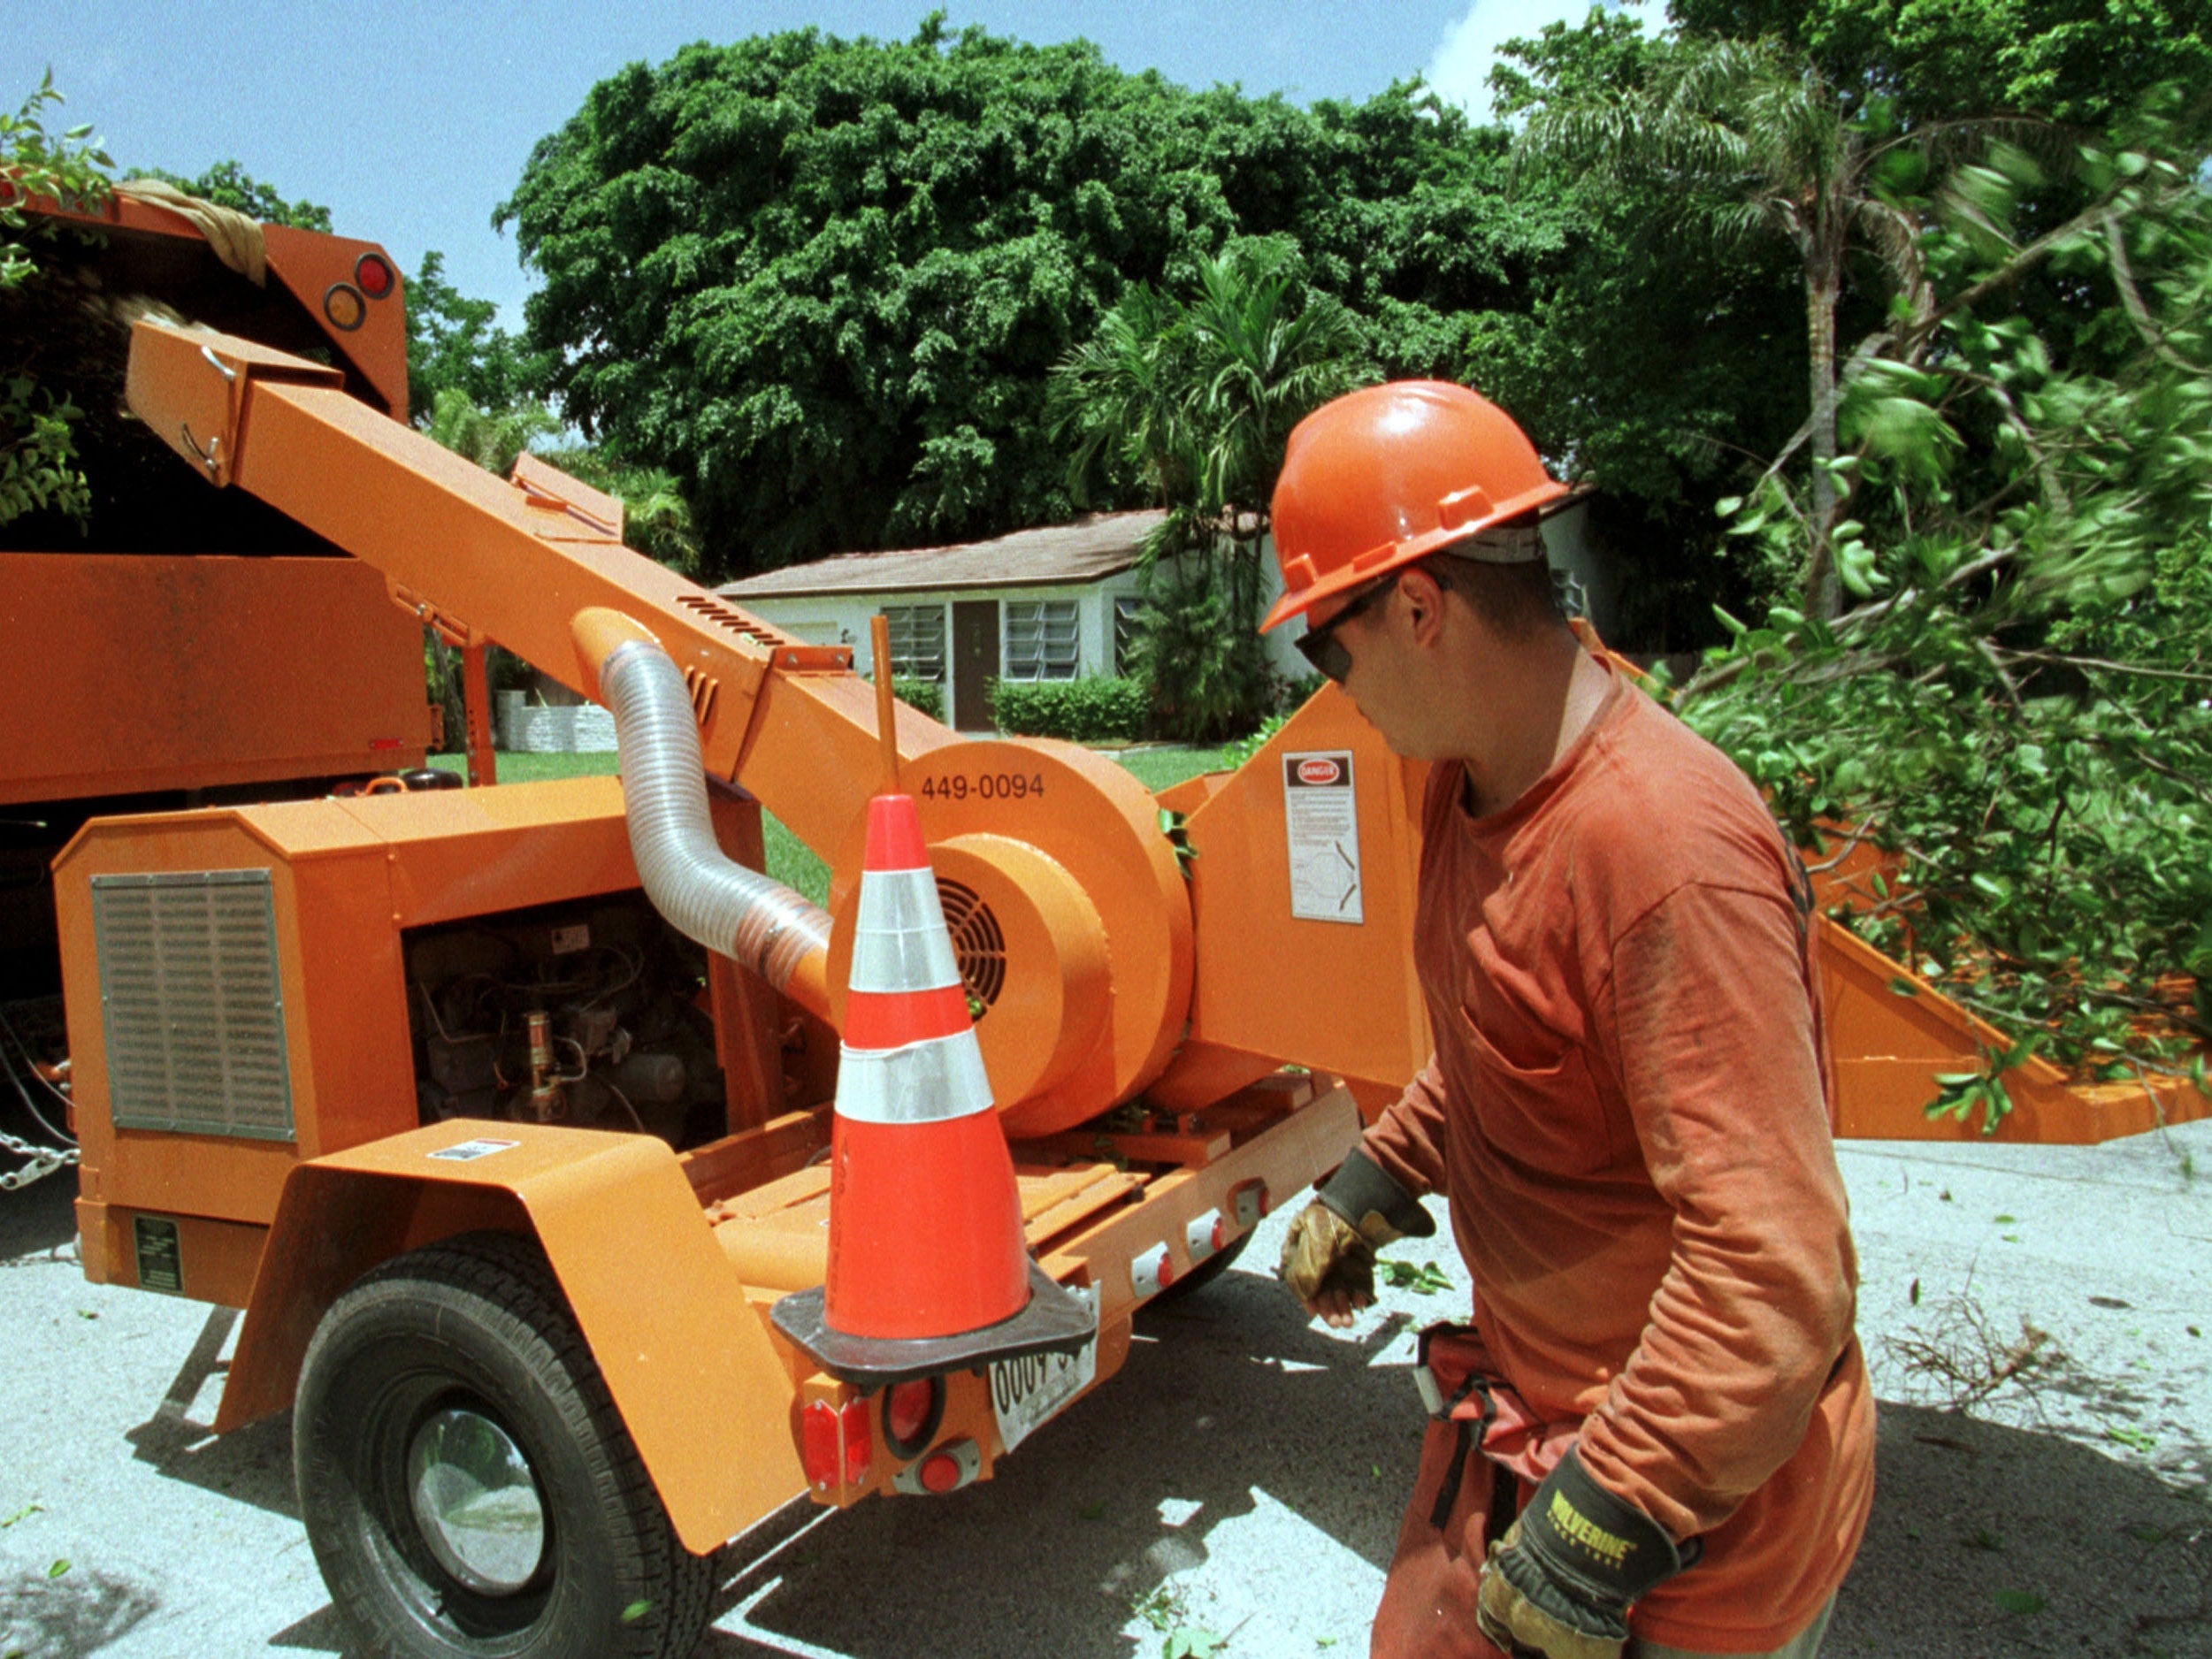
{"x": 941, "y": 1472}
{"x": 1221, "y": 1233}
{"x": 834, "y": 1444}
{"x": 1167, "y": 1271}
{"x": 383, "y": 743}
{"x": 372, "y": 276}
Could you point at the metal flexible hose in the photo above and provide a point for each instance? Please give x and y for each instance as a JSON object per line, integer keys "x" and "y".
{"x": 703, "y": 893}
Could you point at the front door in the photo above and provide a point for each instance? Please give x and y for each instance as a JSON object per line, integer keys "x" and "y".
{"x": 975, "y": 661}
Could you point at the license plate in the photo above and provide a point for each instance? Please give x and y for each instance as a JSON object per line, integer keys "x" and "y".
{"x": 1025, "y": 1392}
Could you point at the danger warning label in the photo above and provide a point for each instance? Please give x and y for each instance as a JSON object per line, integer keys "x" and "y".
{"x": 1321, "y": 813}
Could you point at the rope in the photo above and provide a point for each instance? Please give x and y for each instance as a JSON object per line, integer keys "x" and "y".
{"x": 236, "y": 240}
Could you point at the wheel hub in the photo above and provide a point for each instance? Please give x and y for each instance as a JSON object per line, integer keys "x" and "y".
{"x": 476, "y": 1502}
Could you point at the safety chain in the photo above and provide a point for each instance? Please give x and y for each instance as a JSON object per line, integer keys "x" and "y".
{"x": 41, "y": 1160}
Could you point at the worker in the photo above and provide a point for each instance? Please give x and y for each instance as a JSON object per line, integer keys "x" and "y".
{"x": 1655, "y": 1437}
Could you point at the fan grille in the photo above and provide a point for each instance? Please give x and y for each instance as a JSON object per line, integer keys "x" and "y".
{"x": 978, "y": 946}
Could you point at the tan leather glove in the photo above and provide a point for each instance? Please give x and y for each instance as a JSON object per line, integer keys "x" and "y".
{"x": 1328, "y": 1266}
{"x": 1328, "y": 1254}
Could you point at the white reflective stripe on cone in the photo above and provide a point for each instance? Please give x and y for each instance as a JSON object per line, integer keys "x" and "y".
{"x": 898, "y": 939}
{"x": 924, "y": 1082}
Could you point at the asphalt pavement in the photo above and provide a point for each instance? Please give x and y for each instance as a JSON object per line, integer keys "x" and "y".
{"x": 1242, "y": 1477}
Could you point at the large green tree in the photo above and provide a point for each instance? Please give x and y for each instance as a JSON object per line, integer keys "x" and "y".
{"x": 1749, "y": 138}
{"x": 823, "y": 281}
{"x": 2083, "y": 62}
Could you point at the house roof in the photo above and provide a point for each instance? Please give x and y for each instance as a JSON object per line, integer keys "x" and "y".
{"x": 1094, "y": 546}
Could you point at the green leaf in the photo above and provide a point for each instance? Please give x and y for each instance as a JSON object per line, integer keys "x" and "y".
{"x": 2024, "y": 1602}
{"x": 635, "y": 1612}
{"x": 57, "y": 1569}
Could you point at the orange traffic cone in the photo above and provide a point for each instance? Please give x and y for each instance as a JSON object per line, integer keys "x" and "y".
{"x": 928, "y": 1269}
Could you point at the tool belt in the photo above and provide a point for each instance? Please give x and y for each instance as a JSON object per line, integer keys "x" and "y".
{"x": 1459, "y": 1385}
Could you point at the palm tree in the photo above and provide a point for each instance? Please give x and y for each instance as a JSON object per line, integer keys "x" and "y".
{"x": 490, "y": 440}
{"x": 1756, "y": 141}
{"x": 1191, "y": 400}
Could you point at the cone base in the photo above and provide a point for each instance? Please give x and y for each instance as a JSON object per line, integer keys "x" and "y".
{"x": 1052, "y": 1322}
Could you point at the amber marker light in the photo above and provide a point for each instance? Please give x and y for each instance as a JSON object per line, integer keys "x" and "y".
{"x": 345, "y": 308}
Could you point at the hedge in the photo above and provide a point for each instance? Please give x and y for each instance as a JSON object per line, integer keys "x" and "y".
{"x": 1096, "y": 710}
{"x": 925, "y": 697}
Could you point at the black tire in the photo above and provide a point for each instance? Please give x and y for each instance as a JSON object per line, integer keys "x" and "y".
{"x": 1206, "y": 1272}
{"x": 477, "y": 1325}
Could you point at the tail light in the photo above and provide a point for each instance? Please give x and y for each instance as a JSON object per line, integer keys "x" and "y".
{"x": 912, "y": 1412}
{"x": 374, "y": 276}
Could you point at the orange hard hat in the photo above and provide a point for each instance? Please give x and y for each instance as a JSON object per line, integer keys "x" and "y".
{"x": 1389, "y": 474}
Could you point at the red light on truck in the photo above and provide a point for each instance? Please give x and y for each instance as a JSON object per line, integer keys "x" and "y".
{"x": 1251, "y": 1201}
{"x": 940, "y": 1474}
{"x": 834, "y": 1442}
{"x": 956, "y": 1463}
{"x": 1153, "y": 1271}
{"x": 374, "y": 277}
{"x": 912, "y": 1412}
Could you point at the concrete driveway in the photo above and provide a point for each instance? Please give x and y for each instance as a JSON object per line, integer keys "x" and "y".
{"x": 1243, "y": 1475}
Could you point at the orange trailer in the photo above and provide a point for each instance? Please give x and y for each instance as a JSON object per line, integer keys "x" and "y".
{"x": 500, "y": 1111}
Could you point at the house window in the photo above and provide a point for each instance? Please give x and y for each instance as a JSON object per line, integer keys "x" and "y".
{"x": 1127, "y": 607}
{"x": 1040, "y": 641}
{"x": 917, "y": 641}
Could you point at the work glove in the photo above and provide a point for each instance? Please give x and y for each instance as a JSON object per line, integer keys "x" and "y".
{"x": 1328, "y": 1254}
{"x": 1560, "y": 1582}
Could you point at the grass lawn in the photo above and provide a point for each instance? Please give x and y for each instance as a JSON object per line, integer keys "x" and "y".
{"x": 788, "y": 860}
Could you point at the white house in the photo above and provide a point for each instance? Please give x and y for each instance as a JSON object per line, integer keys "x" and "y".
{"x": 1051, "y": 604}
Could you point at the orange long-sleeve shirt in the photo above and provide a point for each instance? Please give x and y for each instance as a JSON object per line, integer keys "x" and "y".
{"x": 1627, "y": 1107}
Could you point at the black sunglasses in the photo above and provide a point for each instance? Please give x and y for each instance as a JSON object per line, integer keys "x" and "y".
{"x": 1321, "y": 647}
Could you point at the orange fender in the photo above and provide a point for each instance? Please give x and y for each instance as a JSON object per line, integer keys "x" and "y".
{"x": 706, "y": 1396}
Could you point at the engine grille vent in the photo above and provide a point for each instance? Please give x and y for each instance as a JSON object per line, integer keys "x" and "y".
{"x": 192, "y": 1003}
{"x": 977, "y": 945}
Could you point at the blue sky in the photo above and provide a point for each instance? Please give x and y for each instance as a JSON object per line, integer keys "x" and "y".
{"x": 410, "y": 119}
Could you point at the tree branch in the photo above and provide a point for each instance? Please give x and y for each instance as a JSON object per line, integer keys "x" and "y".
{"x": 2065, "y": 660}
{"x": 2131, "y": 301}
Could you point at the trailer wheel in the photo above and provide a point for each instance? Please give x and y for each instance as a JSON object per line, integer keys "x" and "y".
{"x": 468, "y": 1486}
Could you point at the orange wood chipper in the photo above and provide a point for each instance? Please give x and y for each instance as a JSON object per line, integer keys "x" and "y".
{"x": 503, "y": 1113}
